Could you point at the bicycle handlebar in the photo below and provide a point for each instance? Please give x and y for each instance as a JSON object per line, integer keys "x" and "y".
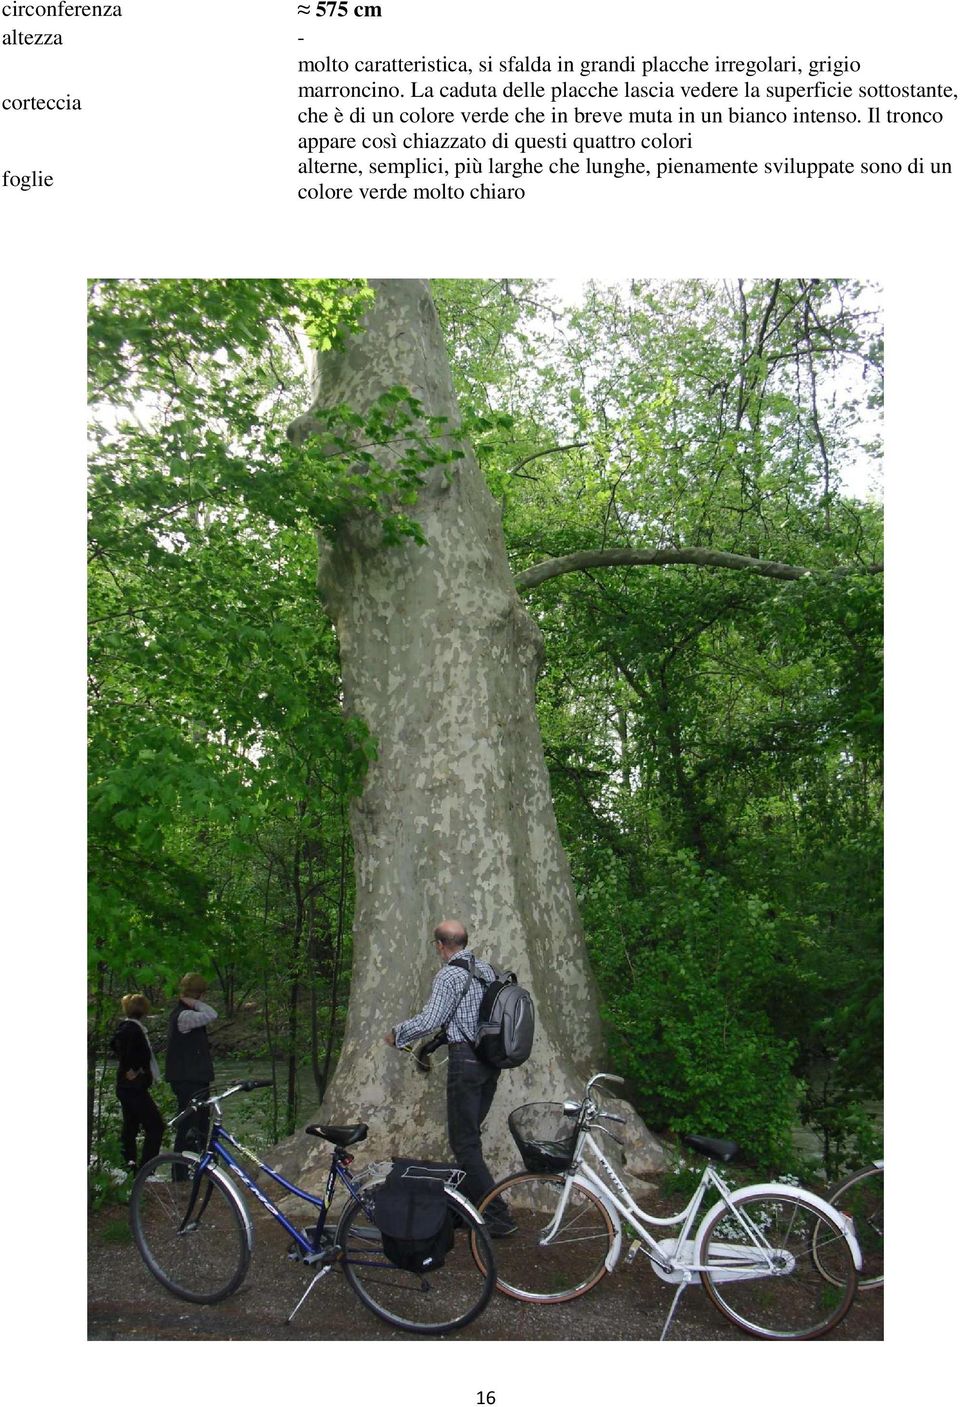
{"x": 574, "y": 1108}
{"x": 614, "y": 1079}
{"x": 244, "y": 1085}
{"x": 195, "y": 1103}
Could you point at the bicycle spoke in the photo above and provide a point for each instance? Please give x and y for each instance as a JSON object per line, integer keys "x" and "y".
{"x": 437, "y": 1301}
{"x": 860, "y": 1196}
{"x": 532, "y": 1264}
{"x": 571, "y": 1225}
{"x": 790, "y": 1298}
{"x": 203, "y": 1259}
{"x": 570, "y": 1240}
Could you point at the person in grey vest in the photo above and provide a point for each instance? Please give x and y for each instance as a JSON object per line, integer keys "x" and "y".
{"x": 454, "y": 1005}
{"x": 189, "y": 1064}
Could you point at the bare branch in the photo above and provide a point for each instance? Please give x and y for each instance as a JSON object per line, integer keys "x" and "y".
{"x": 662, "y": 557}
{"x": 538, "y": 454}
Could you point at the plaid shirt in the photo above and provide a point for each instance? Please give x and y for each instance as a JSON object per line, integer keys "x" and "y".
{"x": 444, "y": 995}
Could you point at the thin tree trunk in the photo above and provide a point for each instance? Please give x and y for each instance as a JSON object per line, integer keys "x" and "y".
{"x": 293, "y": 995}
{"x": 94, "y": 1052}
{"x": 336, "y": 965}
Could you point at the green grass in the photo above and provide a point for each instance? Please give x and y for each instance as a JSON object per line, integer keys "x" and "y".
{"x": 116, "y": 1232}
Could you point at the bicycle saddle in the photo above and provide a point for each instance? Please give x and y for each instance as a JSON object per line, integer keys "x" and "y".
{"x": 341, "y": 1135}
{"x": 723, "y": 1148}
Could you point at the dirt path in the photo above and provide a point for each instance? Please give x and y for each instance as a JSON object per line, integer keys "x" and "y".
{"x": 125, "y": 1302}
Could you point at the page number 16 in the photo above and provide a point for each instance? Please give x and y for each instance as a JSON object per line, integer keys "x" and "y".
{"x": 486, "y": 1399}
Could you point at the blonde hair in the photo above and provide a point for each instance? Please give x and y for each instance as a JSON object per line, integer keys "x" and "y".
{"x": 193, "y": 984}
{"x": 135, "y": 1005}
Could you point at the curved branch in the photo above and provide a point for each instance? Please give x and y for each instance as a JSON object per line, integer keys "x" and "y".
{"x": 662, "y": 557}
{"x": 557, "y": 449}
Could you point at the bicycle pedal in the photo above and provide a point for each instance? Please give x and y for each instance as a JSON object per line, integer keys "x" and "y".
{"x": 326, "y": 1256}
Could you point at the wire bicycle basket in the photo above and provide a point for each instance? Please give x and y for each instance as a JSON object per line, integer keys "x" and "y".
{"x": 545, "y": 1136}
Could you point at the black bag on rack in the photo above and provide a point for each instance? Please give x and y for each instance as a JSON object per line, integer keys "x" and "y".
{"x": 413, "y": 1215}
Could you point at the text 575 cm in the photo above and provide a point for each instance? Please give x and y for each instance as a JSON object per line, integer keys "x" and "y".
{"x": 336, "y": 9}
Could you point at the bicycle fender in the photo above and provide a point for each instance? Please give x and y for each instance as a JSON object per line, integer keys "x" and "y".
{"x": 843, "y": 1224}
{"x": 600, "y": 1192}
{"x": 459, "y": 1199}
{"x": 231, "y": 1189}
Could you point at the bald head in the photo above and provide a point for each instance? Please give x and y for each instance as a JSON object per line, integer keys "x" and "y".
{"x": 451, "y": 934}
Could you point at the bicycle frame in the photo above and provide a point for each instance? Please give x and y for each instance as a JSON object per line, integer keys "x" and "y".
{"x": 581, "y": 1173}
{"x": 677, "y": 1260}
{"x": 217, "y": 1150}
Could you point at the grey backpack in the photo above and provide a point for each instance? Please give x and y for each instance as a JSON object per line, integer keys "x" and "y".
{"x": 506, "y": 1021}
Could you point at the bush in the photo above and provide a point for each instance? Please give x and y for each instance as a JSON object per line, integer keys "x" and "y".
{"x": 687, "y": 1004}
{"x": 107, "y": 1179}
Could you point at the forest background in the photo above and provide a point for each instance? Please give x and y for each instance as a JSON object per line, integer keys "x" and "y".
{"x": 713, "y": 736}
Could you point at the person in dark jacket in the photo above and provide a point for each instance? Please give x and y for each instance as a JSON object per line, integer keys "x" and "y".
{"x": 136, "y": 1071}
{"x": 189, "y": 1065}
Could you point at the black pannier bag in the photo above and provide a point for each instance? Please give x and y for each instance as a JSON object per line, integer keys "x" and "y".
{"x": 413, "y": 1217}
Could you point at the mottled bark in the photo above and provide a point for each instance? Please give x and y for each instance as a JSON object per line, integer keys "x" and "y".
{"x": 439, "y": 658}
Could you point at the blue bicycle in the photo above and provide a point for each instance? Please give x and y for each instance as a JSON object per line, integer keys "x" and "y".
{"x": 192, "y": 1227}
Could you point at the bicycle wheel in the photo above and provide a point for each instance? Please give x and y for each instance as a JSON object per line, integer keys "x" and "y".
{"x": 860, "y": 1196}
{"x": 434, "y": 1302}
{"x": 762, "y": 1274}
{"x": 574, "y": 1258}
{"x": 195, "y": 1239}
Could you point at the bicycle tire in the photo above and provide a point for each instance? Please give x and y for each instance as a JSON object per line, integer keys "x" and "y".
{"x": 793, "y": 1300}
{"x": 860, "y": 1196}
{"x": 437, "y": 1302}
{"x": 573, "y": 1262}
{"x": 205, "y": 1260}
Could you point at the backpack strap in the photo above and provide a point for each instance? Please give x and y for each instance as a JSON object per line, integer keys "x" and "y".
{"x": 469, "y": 966}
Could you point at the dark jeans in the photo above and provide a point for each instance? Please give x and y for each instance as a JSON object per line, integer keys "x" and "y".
{"x": 139, "y": 1112}
{"x": 471, "y": 1085}
{"x": 192, "y": 1133}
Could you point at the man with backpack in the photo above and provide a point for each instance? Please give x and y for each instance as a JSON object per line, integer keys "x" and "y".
{"x": 454, "y": 1005}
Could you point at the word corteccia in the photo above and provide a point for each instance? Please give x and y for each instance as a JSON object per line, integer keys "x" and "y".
{"x": 65, "y": 104}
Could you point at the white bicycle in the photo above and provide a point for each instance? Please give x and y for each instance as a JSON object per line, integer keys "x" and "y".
{"x": 753, "y": 1251}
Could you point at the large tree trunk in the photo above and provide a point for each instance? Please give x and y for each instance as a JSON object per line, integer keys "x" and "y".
{"x": 440, "y": 659}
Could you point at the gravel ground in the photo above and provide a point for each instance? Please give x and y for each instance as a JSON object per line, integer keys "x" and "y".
{"x": 125, "y": 1302}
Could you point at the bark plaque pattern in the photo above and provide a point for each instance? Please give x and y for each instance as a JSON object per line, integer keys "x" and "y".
{"x": 440, "y": 659}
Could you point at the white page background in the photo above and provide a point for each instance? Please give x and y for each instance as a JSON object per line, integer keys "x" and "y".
{"x": 183, "y": 162}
